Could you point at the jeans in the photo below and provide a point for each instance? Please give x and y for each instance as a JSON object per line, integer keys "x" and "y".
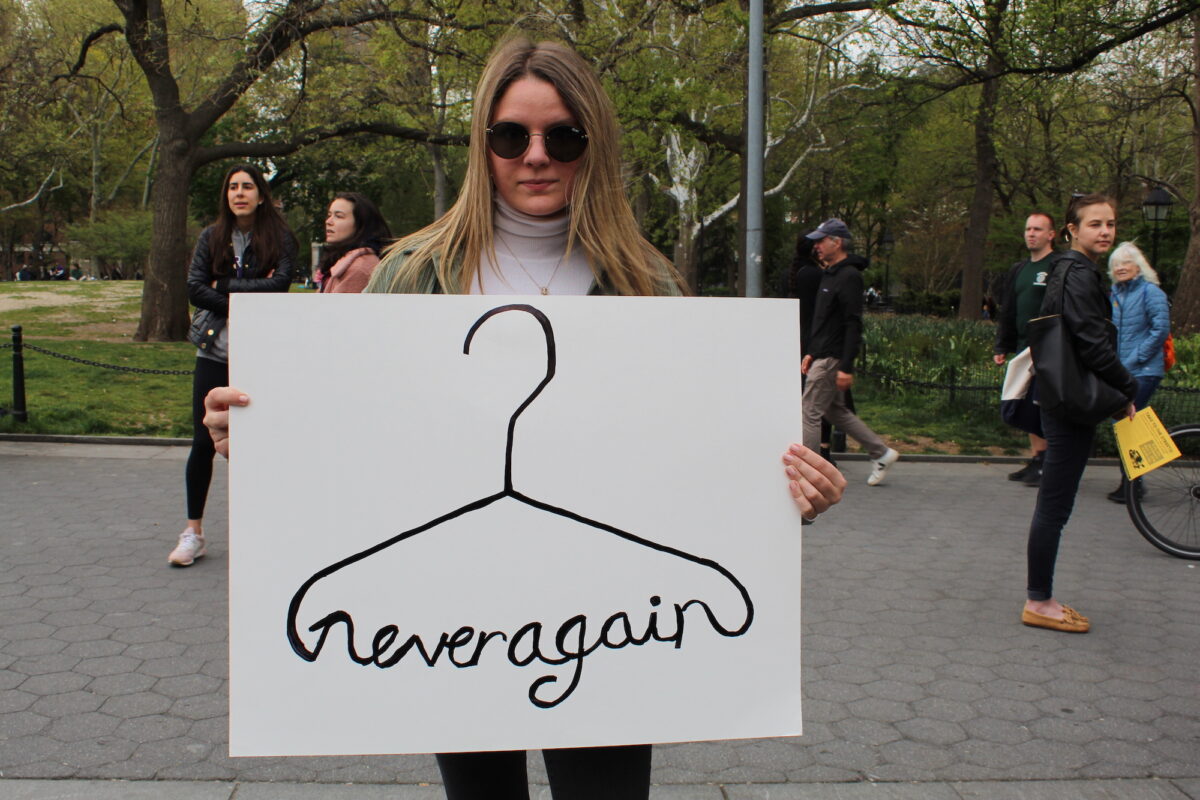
{"x": 581, "y": 773}
{"x": 1067, "y": 449}
{"x": 1146, "y": 385}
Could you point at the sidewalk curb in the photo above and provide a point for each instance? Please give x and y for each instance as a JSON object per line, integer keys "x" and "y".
{"x": 54, "y": 438}
{"x": 163, "y": 441}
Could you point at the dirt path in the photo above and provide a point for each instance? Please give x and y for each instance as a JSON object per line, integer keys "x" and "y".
{"x": 100, "y": 310}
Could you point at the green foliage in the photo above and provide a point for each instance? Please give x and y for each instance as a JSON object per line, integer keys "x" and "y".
{"x": 117, "y": 236}
{"x": 926, "y": 349}
{"x": 1186, "y": 372}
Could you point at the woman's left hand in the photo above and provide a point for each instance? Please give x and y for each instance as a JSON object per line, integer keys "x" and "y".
{"x": 815, "y": 483}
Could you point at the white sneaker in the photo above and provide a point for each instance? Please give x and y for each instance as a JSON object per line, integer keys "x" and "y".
{"x": 190, "y": 547}
{"x": 881, "y": 467}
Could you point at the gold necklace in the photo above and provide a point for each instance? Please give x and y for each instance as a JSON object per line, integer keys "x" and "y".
{"x": 545, "y": 289}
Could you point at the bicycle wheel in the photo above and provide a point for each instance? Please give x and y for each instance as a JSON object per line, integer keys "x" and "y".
{"x": 1166, "y": 510}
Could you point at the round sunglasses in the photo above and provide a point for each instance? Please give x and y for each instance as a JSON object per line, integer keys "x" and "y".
{"x": 511, "y": 140}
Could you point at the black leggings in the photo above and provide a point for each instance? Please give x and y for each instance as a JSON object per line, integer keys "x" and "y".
{"x": 583, "y": 773}
{"x": 1067, "y": 449}
{"x": 209, "y": 375}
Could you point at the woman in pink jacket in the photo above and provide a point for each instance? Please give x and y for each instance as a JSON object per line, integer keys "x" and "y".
{"x": 355, "y": 233}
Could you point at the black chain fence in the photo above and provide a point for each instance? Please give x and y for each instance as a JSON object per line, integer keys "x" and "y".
{"x": 19, "y": 347}
{"x": 117, "y": 367}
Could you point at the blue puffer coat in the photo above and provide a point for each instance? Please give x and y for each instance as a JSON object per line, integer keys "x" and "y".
{"x": 1143, "y": 319}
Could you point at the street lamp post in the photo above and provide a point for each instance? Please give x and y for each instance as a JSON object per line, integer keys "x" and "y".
{"x": 887, "y": 243}
{"x": 1156, "y": 209}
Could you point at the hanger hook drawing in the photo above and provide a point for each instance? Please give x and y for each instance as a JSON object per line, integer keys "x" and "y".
{"x": 548, "y": 330}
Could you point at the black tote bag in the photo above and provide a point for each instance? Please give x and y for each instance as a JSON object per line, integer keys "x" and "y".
{"x": 1067, "y": 389}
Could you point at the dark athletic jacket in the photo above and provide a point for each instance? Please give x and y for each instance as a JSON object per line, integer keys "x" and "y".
{"x": 837, "y": 315}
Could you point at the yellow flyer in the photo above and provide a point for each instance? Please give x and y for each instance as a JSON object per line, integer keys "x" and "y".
{"x": 1144, "y": 443}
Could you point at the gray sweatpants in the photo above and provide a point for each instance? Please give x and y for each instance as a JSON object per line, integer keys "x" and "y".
{"x": 822, "y": 399}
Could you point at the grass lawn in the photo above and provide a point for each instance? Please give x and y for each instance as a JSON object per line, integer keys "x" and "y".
{"x": 917, "y": 424}
{"x": 92, "y": 320}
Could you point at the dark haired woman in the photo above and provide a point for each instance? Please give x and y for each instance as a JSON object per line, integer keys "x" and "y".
{"x": 248, "y": 249}
{"x": 1075, "y": 286}
{"x": 355, "y": 235}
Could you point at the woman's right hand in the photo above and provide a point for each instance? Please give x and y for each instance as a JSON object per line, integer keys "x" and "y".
{"x": 216, "y": 414}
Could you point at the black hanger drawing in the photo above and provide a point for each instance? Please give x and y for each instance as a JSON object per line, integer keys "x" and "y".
{"x": 566, "y": 645}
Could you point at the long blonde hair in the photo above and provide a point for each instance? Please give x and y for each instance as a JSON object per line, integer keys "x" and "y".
{"x": 601, "y": 221}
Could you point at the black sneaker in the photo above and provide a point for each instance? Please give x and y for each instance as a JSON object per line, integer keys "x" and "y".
{"x": 1034, "y": 476}
{"x": 1020, "y": 474}
{"x": 1117, "y": 495}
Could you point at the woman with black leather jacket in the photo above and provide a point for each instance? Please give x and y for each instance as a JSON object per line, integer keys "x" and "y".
{"x": 1076, "y": 286}
{"x": 248, "y": 249}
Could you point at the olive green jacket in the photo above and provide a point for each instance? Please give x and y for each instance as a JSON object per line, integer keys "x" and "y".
{"x": 427, "y": 282}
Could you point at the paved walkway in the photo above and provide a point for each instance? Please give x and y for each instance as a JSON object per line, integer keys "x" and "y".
{"x": 919, "y": 681}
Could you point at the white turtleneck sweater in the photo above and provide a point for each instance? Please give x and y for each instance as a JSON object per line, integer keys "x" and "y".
{"x": 538, "y": 245}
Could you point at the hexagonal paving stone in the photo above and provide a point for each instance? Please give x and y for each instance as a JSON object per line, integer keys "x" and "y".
{"x": 188, "y": 685}
{"x": 55, "y": 683}
{"x": 126, "y": 683}
{"x": 153, "y": 728}
{"x": 201, "y": 707}
{"x": 131, "y": 706}
{"x": 107, "y": 665}
{"x": 67, "y": 704}
{"x": 79, "y": 727}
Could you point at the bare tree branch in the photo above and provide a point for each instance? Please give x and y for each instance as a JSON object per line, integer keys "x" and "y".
{"x": 206, "y": 155}
{"x": 294, "y": 24}
{"x": 129, "y": 168}
{"x": 999, "y": 66}
{"x": 41, "y": 189}
{"x": 797, "y": 13}
{"x": 708, "y": 135}
{"x": 91, "y": 39}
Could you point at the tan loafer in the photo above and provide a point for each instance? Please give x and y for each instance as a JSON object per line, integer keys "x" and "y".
{"x": 1072, "y": 621}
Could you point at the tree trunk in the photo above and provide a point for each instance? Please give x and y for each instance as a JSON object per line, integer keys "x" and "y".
{"x": 441, "y": 191}
{"x": 685, "y": 253}
{"x": 164, "y": 292}
{"x": 980, "y": 218}
{"x": 1186, "y": 309}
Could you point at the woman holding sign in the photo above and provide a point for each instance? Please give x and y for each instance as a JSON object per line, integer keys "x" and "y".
{"x": 543, "y": 211}
{"x": 1075, "y": 290}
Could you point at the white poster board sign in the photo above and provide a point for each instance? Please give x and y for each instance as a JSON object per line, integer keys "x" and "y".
{"x": 479, "y": 523}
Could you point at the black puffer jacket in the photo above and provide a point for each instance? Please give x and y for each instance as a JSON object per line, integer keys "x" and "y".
{"x": 1076, "y": 287}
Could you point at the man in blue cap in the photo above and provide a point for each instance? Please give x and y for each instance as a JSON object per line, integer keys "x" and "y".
{"x": 833, "y": 344}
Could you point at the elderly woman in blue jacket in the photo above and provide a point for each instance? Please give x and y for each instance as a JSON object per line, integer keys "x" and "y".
{"x": 1143, "y": 319}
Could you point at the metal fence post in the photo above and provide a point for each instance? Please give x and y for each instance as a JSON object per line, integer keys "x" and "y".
{"x": 18, "y": 410}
